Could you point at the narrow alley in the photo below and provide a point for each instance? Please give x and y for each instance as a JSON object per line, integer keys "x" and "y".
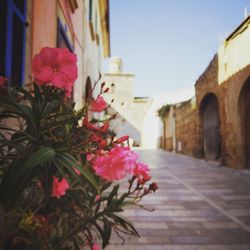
{"x": 199, "y": 206}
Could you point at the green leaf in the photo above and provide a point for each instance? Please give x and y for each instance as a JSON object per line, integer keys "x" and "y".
{"x": 37, "y": 91}
{"x": 20, "y": 110}
{"x": 49, "y": 109}
{"x": 113, "y": 193}
{"x": 125, "y": 223}
{"x": 99, "y": 229}
{"x": 20, "y": 173}
{"x": 15, "y": 179}
{"x": 26, "y": 94}
{"x": 40, "y": 156}
{"x": 107, "y": 226}
{"x": 69, "y": 162}
{"x": 106, "y": 186}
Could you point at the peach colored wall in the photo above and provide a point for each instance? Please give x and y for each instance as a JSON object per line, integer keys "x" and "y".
{"x": 44, "y": 24}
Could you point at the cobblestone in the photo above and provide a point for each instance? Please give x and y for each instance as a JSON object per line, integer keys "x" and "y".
{"x": 200, "y": 205}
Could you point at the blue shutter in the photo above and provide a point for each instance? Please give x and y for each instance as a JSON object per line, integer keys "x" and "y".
{"x": 13, "y": 29}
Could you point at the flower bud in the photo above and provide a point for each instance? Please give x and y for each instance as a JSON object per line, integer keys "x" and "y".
{"x": 153, "y": 186}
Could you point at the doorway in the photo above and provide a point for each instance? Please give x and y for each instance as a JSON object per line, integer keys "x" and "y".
{"x": 211, "y": 127}
{"x": 244, "y": 111}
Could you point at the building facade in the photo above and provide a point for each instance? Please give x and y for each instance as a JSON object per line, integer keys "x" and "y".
{"x": 131, "y": 112}
{"x": 218, "y": 126}
{"x": 26, "y": 26}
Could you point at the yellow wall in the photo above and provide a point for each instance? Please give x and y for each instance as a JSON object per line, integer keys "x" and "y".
{"x": 234, "y": 54}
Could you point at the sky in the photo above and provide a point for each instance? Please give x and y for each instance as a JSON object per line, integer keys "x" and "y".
{"x": 167, "y": 44}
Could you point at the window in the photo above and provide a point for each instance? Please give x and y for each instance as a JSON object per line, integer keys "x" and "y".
{"x": 63, "y": 41}
{"x": 12, "y": 40}
{"x": 62, "y": 38}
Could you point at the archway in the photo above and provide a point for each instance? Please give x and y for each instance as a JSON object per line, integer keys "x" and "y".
{"x": 244, "y": 111}
{"x": 211, "y": 127}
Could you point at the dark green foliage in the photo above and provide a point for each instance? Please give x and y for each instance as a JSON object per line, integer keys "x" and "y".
{"x": 40, "y": 137}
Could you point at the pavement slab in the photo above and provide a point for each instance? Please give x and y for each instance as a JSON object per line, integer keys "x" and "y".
{"x": 200, "y": 205}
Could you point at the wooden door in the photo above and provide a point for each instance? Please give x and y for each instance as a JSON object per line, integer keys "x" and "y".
{"x": 211, "y": 129}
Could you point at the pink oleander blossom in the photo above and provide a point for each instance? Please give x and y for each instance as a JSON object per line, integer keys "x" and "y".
{"x": 55, "y": 66}
{"x": 95, "y": 246}
{"x": 98, "y": 105}
{"x": 88, "y": 124}
{"x": 77, "y": 171}
{"x": 122, "y": 139}
{"x": 141, "y": 171}
{"x": 104, "y": 128}
{"x": 115, "y": 164}
{"x": 98, "y": 197}
{"x": 153, "y": 186}
{"x": 2, "y": 81}
{"x": 59, "y": 187}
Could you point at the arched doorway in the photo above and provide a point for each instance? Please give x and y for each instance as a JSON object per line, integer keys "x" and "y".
{"x": 211, "y": 127}
{"x": 244, "y": 111}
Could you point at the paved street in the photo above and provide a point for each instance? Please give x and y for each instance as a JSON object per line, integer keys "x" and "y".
{"x": 199, "y": 206}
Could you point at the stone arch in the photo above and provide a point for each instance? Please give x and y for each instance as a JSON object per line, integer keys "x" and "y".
{"x": 244, "y": 112}
{"x": 210, "y": 127}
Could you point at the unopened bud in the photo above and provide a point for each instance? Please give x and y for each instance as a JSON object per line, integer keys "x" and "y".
{"x": 153, "y": 186}
{"x": 106, "y": 90}
{"x": 103, "y": 84}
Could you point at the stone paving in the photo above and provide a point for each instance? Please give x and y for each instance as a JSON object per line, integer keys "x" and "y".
{"x": 199, "y": 206}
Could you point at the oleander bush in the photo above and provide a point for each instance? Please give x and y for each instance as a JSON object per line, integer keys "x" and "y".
{"x": 60, "y": 171}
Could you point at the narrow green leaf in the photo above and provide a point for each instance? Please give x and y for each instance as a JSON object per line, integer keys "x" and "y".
{"x": 70, "y": 162}
{"x": 15, "y": 179}
{"x": 26, "y": 94}
{"x": 106, "y": 232}
{"x": 113, "y": 193}
{"x": 106, "y": 186}
{"x": 99, "y": 229}
{"x": 125, "y": 223}
{"x": 40, "y": 156}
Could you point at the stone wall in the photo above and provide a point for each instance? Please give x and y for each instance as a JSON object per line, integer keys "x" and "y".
{"x": 207, "y": 84}
{"x": 231, "y": 123}
{"x": 186, "y": 127}
{"x": 233, "y": 129}
{"x": 225, "y": 83}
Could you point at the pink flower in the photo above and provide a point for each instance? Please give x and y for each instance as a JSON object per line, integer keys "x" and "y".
{"x": 153, "y": 186}
{"x": 98, "y": 105}
{"x": 77, "y": 171}
{"x": 96, "y": 247}
{"x": 90, "y": 157}
{"x": 88, "y": 124}
{"x": 99, "y": 140}
{"x": 122, "y": 139}
{"x": 95, "y": 138}
{"x": 104, "y": 127}
{"x": 55, "y": 66}
{"x": 59, "y": 187}
{"x": 102, "y": 143}
{"x": 2, "y": 81}
{"x": 98, "y": 197}
{"x": 142, "y": 172}
{"x": 115, "y": 164}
